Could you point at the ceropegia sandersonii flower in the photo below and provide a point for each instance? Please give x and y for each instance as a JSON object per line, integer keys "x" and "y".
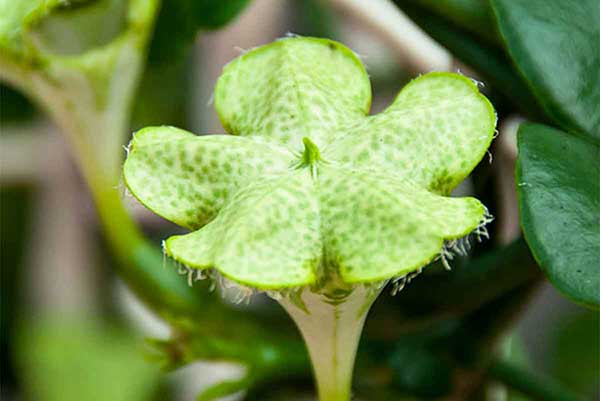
{"x": 311, "y": 198}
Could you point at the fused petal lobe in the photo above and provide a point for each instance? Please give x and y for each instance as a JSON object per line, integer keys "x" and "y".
{"x": 267, "y": 236}
{"x": 187, "y": 178}
{"x": 434, "y": 133}
{"x": 293, "y": 88}
{"x": 376, "y": 227}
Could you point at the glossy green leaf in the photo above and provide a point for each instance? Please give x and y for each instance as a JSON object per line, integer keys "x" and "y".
{"x": 558, "y": 179}
{"x": 312, "y": 185}
{"x": 555, "y": 45}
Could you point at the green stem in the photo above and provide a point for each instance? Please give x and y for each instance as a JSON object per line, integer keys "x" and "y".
{"x": 141, "y": 264}
{"x": 331, "y": 329}
{"x": 536, "y": 386}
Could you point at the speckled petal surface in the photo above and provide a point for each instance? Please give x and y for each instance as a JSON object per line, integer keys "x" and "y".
{"x": 376, "y": 226}
{"x": 268, "y": 235}
{"x": 434, "y": 133}
{"x": 293, "y": 88}
{"x": 313, "y": 187}
{"x": 187, "y": 178}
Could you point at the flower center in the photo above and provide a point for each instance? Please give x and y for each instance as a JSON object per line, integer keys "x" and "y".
{"x": 310, "y": 156}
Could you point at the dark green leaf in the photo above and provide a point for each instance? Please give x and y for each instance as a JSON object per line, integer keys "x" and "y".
{"x": 212, "y": 14}
{"x": 170, "y": 81}
{"x": 174, "y": 33}
{"x": 179, "y": 21}
{"x": 558, "y": 179}
{"x": 556, "y": 45}
{"x": 166, "y": 75}
{"x": 474, "y": 16}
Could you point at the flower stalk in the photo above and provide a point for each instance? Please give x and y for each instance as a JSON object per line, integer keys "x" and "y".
{"x": 331, "y": 329}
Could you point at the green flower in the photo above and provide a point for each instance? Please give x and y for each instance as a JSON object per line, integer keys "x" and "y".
{"x": 312, "y": 193}
{"x": 310, "y": 189}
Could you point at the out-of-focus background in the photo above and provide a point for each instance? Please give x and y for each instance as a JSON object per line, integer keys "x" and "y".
{"x": 64, "y": 312}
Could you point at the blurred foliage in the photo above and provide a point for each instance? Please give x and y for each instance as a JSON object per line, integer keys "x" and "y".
{"x": 575, "y": 353}
{"x": 265, "y": 342}
{"x": 515, "y": 352}
{"x": 15, "y": 214}
{"x": 165, "y": 85}
{"x": 163, "y": 94}
{"x": 14, "y": 106}
{"x": 74, "y": 360}
{"x": 439, "y": 295}
{"x": 179, "y": 21}
{"x": 427, "y": 376}
{"x": 531, "y": 383}
{"x": 314, "y": 18}
{"x": 213, "y": 14}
